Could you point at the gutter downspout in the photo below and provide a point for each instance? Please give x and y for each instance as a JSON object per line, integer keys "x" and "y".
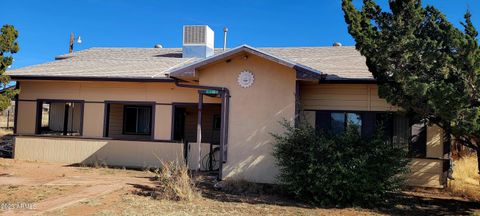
{"x": 225, "y": 113}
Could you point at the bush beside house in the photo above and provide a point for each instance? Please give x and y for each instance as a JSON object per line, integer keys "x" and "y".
{"x": 343, "y": 169}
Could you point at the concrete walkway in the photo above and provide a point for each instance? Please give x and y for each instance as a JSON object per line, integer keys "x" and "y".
{"x": 64, "y": 201}
{"x": 95, "y": 187}
{"x": 91, "y": 182}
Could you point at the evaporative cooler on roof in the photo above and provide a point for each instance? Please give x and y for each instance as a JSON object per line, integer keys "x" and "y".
{"x": 197, "y": 41}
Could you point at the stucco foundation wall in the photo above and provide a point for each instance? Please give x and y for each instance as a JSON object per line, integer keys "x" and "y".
{"x": 89, "y": 151}
{"x": 255, "y": 113}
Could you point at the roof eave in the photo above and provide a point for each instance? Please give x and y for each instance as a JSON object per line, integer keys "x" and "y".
{"x": 349, "y": 81}
{"x": 86, "y": 78}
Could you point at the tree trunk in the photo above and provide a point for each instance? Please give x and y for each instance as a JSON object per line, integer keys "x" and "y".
{"x": 476, "y": 147}
{"x": 478, "y": 160}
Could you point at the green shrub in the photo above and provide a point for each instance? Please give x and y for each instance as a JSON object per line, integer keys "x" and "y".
{"x": 338, "y": 170}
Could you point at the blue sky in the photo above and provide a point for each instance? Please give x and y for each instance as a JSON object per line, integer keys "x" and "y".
{"x": 45, "y": 25}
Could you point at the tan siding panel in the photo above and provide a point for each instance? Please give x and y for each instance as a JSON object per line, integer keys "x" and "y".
{"x": 358, "y": 97}
{"x": 425, "y": 180}
{"x": 334, "y": 105}
{"x": 116, "y": 120}
{"x": 330, "y": 97}
{"x": 434, "y": 142}
{"x": 56, "y": 115}
{"x": 425, "y": 173}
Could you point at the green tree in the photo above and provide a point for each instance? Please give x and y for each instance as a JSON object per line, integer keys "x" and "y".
{"x": 422, "y": 63}
{"x": 8, "y": 46}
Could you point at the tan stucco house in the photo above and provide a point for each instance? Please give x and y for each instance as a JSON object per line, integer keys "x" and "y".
{"x": 135, "y": 106}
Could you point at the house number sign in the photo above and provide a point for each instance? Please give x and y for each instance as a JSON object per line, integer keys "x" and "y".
{"x": 245, "y": 79}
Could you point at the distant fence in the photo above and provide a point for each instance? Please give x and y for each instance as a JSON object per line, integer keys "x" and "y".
{"x": 7, "y": 117}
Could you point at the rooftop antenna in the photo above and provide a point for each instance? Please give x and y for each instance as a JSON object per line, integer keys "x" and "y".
{"x": 72, "y": 41}
{"x": 225, "y": 30}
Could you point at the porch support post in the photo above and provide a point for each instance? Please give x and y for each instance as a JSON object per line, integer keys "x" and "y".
{"x": 15, "y": 117}
{"x": 222, "y": 137}
{"x": 297, "y": 103}
{"x": 199, "y": 129}
{"x": 226, "y": 113}
{"x": 65, "y": 119}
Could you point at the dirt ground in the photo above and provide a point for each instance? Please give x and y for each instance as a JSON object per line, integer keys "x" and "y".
{"x": 54, "y": 189}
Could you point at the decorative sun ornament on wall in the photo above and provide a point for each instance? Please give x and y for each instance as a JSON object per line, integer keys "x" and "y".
{"x": 245, "y": 79}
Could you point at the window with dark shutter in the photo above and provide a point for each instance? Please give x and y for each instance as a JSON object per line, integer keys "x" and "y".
{"x": 322, "y": 120}
{"x": 385, "y": 121}
{"x": 369, "y": 126}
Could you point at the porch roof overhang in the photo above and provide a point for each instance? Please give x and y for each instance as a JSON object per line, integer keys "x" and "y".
{"x": 190, "y": 70}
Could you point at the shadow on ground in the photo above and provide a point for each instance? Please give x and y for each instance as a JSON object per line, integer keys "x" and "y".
{"x": 429, "y": 204}
{"x": 405, "y": 203}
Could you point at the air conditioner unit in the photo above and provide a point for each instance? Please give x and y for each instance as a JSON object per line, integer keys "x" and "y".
{"x": 198, "y": 41}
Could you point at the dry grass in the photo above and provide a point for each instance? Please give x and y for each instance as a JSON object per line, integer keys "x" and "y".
{"x": 31, "y": 194}
{"x": 124, "y": 203}
{"x": 4, "y": 120}
{"x": 4, "y": 132}
{"x": 174, "y": 183}
{"x": 467, "y": 180}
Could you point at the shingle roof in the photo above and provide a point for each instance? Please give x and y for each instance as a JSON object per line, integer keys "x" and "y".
{"x": 303, "y": 71}
{"x": 338, "y": 63}
{"x": 343, "y": 62}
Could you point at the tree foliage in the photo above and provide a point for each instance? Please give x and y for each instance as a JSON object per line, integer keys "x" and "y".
{"x": 8, "y": 46}
{"x": 422, "y": 62}
{"x": 344, "y": 169}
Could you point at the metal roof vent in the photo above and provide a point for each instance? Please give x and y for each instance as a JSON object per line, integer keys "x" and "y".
{"x": 158, "y": 46}
{"x": 197, "y": 41}
{"x": 337, "y": 44}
